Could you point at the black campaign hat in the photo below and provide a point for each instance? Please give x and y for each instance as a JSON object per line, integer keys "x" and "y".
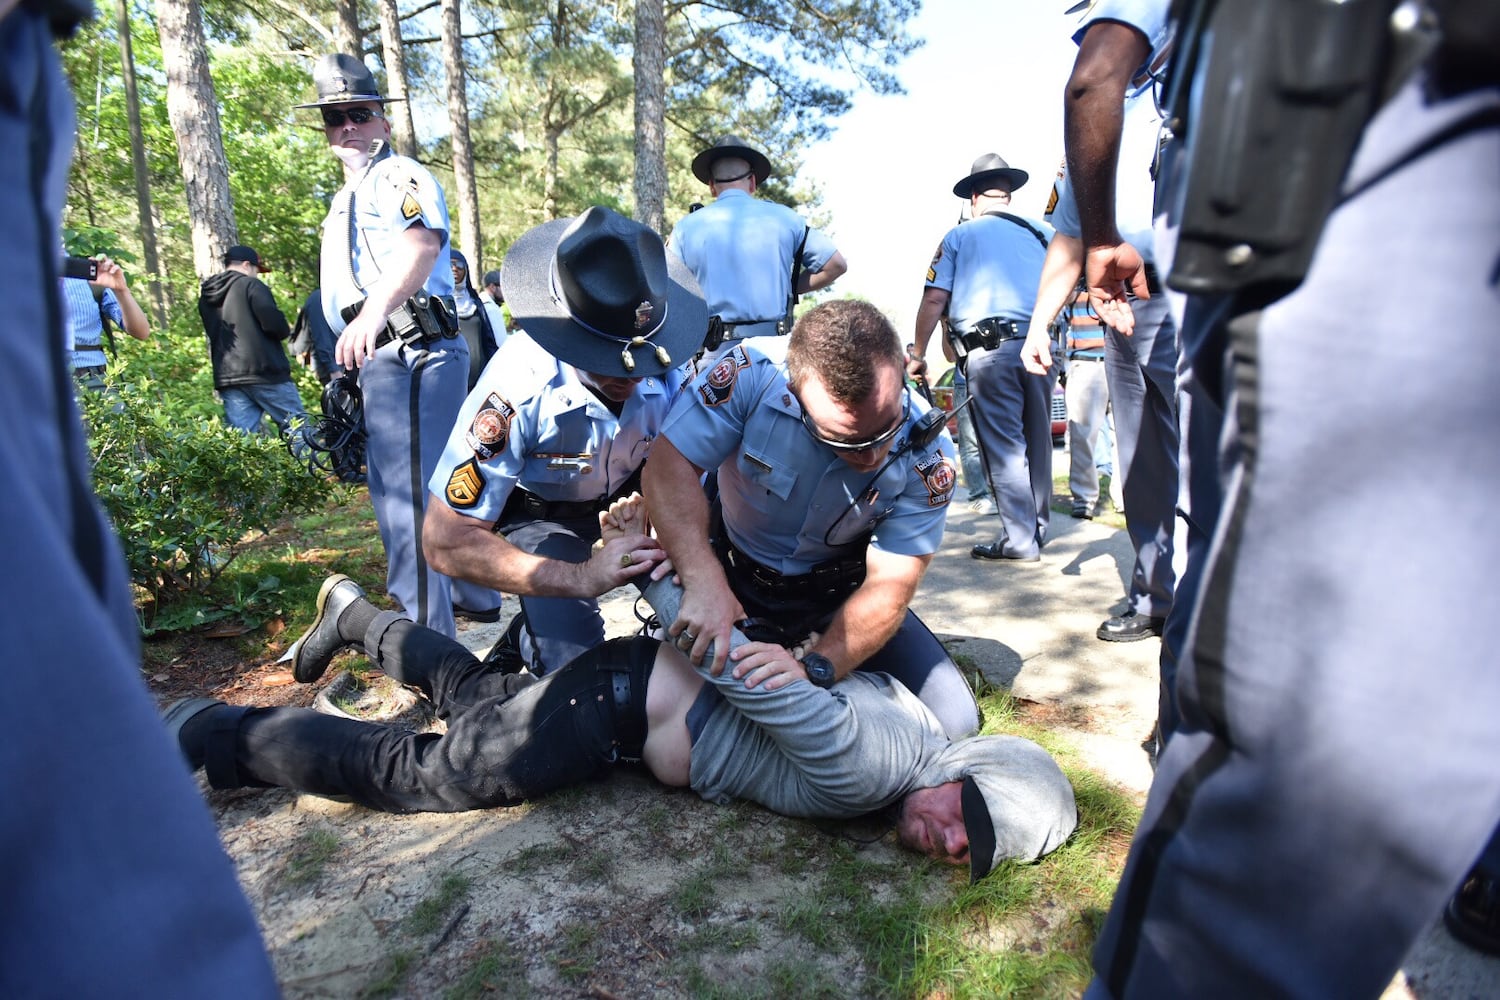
{"x": 990, "y": 167}
{"x": 343, "y": 79}
{"x": 730, "y": 145}
{"x": 600, "y": 293}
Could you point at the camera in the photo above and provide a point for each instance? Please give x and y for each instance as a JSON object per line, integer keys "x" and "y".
{"x": 86, "y": 268}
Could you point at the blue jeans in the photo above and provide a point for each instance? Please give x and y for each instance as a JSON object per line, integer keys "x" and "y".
{"x": 245, "y": 405}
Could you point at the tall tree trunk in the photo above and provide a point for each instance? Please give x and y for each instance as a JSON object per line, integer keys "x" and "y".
{"x": 194, "y": 113}
{"x": 346, "y": 29}
{"x": 463, "y": 154}
{"x": 650, "y": 113}
{"x": 550, "y": 142}
{"x": 138, "y": 163}
{"x": 403, "y": 131}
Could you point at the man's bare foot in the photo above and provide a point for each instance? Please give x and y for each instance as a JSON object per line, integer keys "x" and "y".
{"x": 626, "y": 516}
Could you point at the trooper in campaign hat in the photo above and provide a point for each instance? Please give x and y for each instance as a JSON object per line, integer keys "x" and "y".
{"x": 559, "y": 423}
{"x": 986, "y": 172}
{"x": 752, "y": 257}
{"x": 343, "y": 79}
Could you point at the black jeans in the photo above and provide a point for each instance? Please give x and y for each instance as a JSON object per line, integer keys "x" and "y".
{"x": 510, "y": 736}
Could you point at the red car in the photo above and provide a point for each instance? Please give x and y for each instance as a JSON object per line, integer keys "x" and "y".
{"x": 942, "y": 395}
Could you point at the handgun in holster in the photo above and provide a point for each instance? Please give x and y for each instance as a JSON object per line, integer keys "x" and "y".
{"x": 419, "y": 320}
{"x": 1269, "y": 100}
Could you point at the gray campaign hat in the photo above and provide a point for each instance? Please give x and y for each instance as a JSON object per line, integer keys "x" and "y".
{"x": 600, "y": 293}
{"x": 731, "y": 145}
{"x": 990, "y": 167}
{"x": 1017, "y": 803}
{"x": 343, "y": 79}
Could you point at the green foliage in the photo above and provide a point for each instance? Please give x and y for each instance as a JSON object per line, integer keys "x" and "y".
{"x": 312, "y": 851}
{"x": 182, "y": 489}
{"x": 428, "y": 915}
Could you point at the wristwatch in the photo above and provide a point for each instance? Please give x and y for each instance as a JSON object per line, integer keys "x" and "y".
{"x": 819, "y": 669}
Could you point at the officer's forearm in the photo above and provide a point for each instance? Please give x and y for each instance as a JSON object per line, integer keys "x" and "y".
{"x": 811, "y": 281}
{"x": 407, "y": 271}
{"x": 929, "y": 311}
{"x": 466, "y": 548}
{"x": 1093, "y": 115}
{"x": 1060, "y": 271}
{"x": 873, "y": 613}
{"x": 679, "y": 512}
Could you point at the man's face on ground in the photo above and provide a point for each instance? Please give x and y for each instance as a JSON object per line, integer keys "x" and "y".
{"x": 836, "y": 422}
{"x": 611, "y": 387}
{"x": 350, "y": 140}
{"x": 932, "y": 823}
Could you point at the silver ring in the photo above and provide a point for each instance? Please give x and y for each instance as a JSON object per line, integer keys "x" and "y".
{"x": 690, "y": 637}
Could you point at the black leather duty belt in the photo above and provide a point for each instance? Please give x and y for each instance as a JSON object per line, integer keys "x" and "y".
{"x": 990, "y": 333}
{"x": 831, "y": 581}
{"x": 523, "y": 505}
{"x": 417, "y": 322}
{"x": 1085, "y": 357}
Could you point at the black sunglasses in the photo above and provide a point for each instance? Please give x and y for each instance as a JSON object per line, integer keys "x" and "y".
{"x": 333, "y": 118}
{"x": 851, "y": 446}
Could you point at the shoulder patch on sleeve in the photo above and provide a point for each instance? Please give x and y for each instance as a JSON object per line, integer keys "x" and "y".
{"x": 1052, "y": 200}
{"x": 465, "y": 485}
{"x": 932, "y": 268}
{"x": 490, "y": 431}
{"x": 718, "y": 385}
{"x": 410, "y": 209}
{"x": 939, "y": 476}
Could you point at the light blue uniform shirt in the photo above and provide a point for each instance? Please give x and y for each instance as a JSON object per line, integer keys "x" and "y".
{"x": 1149, "y": 17}
{"x": 740, "y": 248}
{"x": 392, "y": 194}
{"x": 85, "y": 331}
{"x": 530, "y": 421}
{"x": 788, "y": 500}
{"x": 990, "y": 266}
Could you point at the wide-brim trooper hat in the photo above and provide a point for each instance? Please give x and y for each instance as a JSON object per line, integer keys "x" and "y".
{"x": 730, "y": 145}
{"x": 1017, "y": 803}
{"x": 599, "y": 293}
{"x": 343, "y": 79}
{"x": 990, "y": 167}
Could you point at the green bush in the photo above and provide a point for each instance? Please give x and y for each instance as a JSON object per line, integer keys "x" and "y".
{"x": 183, "y": 489}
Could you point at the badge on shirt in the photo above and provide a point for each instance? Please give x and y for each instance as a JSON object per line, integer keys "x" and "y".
{"x": 939, "y": 476}
{"x": 718, "y": 385}
{"x": 490, "y": 431}
{"x": 465, "y": 485}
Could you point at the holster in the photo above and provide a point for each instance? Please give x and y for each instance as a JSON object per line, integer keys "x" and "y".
{"x": 417, "y": 322}
{"x": 1291, "y": 85}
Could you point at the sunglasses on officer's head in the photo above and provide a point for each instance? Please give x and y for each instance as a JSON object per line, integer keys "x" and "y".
{"x": 333, "y": 118}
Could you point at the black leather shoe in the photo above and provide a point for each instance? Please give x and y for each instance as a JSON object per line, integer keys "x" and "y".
{"x": 996, "y": 550}
{"x": 480, "y": 617}
{"x": 312, "y": 653}
{"x": 1082, "y": 511}
{"x": 188, "y": 737}
{"x": 505, "y": 655}
{"x": 1473, "y": 914}
{"x": 1130, "y": 627}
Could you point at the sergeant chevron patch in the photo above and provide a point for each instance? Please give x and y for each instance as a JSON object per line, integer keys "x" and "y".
{"x": 465, "y": 485}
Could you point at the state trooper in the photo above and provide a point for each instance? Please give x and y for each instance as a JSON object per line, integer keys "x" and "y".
{"x": 751, "y": 257}
{"x": 388, "y": 293}
{"x": 833, "y": 483}
{"x": 1140, "y": 366}
{"x": 985, "y": 275}
{"x": 560, "y": 423}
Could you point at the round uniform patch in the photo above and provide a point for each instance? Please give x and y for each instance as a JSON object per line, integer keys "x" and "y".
{"x": 489, "y": 432}
{"x": 718, "y": 384}
{"x": 939, "y": 475}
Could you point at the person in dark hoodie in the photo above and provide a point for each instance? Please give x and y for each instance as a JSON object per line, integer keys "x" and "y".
{"x": 245, "y": 331}
{"x": 475, "y": 322}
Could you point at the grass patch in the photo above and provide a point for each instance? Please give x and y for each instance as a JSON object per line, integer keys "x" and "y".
{"x": 577, "y": 952}
{"x": 499, "y": 970}
{"x": 529, "y": 860}
{"x": 428, "y": 915}
{"x": 391, "y": 976}
{"x": 312, "y": 851}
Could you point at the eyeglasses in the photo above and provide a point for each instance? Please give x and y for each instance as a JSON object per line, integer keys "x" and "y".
{"x": 853, "y": 446}
{"x": 333, "y": 118}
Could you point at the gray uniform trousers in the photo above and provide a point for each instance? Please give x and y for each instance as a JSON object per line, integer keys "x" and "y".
{"x": 1013, "y": 415}
{"x": 412, "y": 399}
{"x": 114, "y": 879}
{"x": 1335, "y": 772}
{"x": 1142, "y": 374}
{"x": 558, "y": 629}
